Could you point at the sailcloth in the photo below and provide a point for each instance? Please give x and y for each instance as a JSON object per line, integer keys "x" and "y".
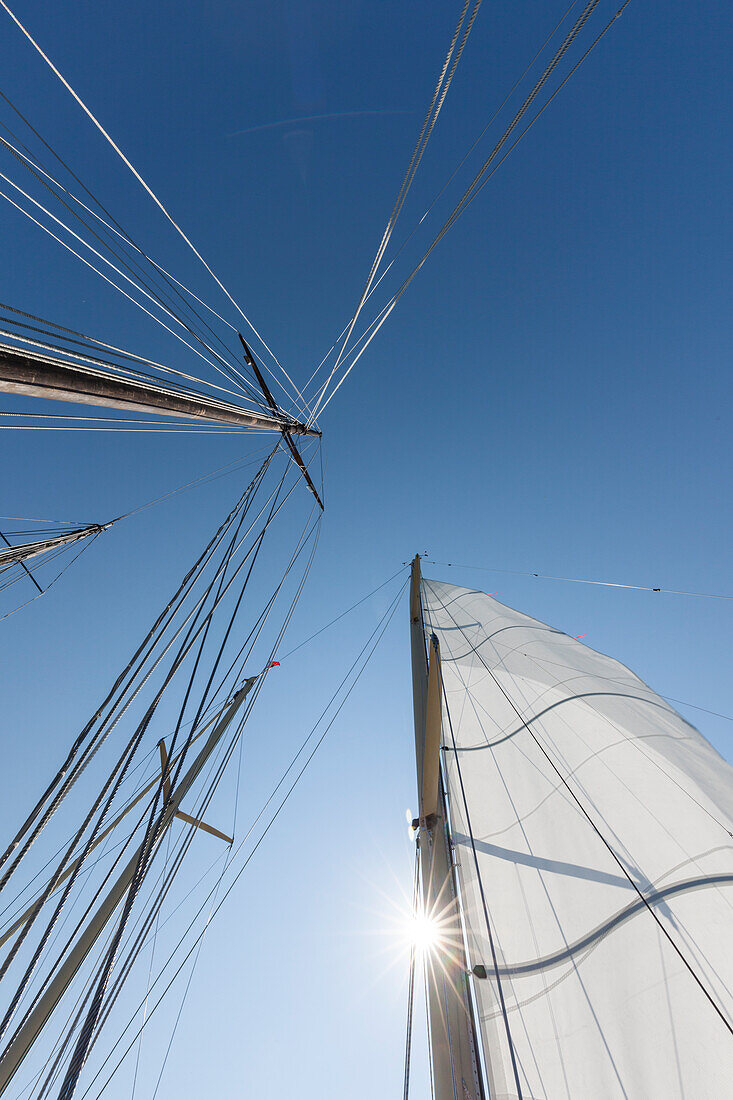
{"x": 593, "y": 835}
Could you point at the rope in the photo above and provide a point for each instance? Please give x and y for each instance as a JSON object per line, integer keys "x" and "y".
{"x": 115, "y": 227}
{"x": 157, "y": 819}
{"x": 85, "y": 544}
{"x": 450, "y": 179}
{"x": 150, "y": 841}
{"x": 234, "y": 547}
{"x": 436, "y": 103}
{"x": 138, "y": 276}
{"x": 67, "y": 773}
{"x": 343, "y": 614}
{"x": 375, "y": 637}
{"x": 483, "y": 176}
{"x": 582, "y": 580}
{"x": 411, "y": 979}
{"x": 139, "y": 178}
{"x": 305, "y": 537}
{"x": 487, "y": 921}
{"x": 90, "y": 341}
{"x": 91, "y": 265}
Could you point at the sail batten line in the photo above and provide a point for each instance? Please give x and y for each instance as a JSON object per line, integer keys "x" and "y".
{"x": 632, "y": 909}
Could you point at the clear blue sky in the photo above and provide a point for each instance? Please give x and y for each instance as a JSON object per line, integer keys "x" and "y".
{"x": 551, "y": 395}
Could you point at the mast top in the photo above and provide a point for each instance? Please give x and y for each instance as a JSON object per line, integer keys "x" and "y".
{"x": 416, "y": 577}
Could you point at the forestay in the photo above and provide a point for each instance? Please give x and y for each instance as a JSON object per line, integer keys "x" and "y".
{"x": 592, "y": 828}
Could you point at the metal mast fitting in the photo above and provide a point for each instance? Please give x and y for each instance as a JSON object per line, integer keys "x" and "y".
{"x": 34, "y": 375}
{"x": 453, "y": 1043}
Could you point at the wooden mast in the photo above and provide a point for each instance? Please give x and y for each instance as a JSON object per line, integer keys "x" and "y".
{"x": 453, "y": 1046}
{"x": 34, "y": 375}
{"x": 29, "y": 1031}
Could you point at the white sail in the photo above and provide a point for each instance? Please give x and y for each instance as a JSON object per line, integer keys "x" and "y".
{"x": 592, "y": 829}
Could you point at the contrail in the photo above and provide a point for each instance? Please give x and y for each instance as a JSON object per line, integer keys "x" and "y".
{"x": 313, "y": 118}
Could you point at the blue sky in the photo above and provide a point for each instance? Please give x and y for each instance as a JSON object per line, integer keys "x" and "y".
{"x": 551, "y": 395}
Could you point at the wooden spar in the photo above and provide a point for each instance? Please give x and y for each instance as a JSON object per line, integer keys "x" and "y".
{"x": 20, "y": 921}
{"x": 29, "y": 1031}
{"x": 34, "y": 375}
{"x": 23, "y": 551}
{"x": 250, "y": 360}
{"x": 453, "y": 1044}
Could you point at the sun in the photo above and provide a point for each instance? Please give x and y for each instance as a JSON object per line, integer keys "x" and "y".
{"x": 423, "y": 932}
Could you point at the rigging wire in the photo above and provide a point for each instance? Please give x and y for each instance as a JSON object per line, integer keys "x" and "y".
{"x": 150, "y": 977}
{"x": 67, "y": 334}
{"x": 115, "y": 227}
{"x": 146, "y": 924}
{"x": 68, "y": 772}
{"x": 126, "y": 371}
{"x": 374, "y": 638}
{"x": 150, "y": 841}
{"x": 305, "y": 537}
{"x": 112, "y": 225}
{"x": 582, "y": 580}
{"x": 484, "y": 175}
{"x": 255, "y": 630}
{"x": 101, "y": 274}
{"x": 49, "y": 556}
{"x": 233, "y": 546}
{"x": 137, "y": 277}
{"x": 343, "y": 613}
{"x": 85, "y": 544}
{"x": 411, "y": 979}
{"x": 145, "y": 186}
{"x": 188, "y": 983}
{"x": 109, "y": 263}
{"x": 108, "y": 428}
{"x": 436, "y": 103}
{"x": 445, "y": 186}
